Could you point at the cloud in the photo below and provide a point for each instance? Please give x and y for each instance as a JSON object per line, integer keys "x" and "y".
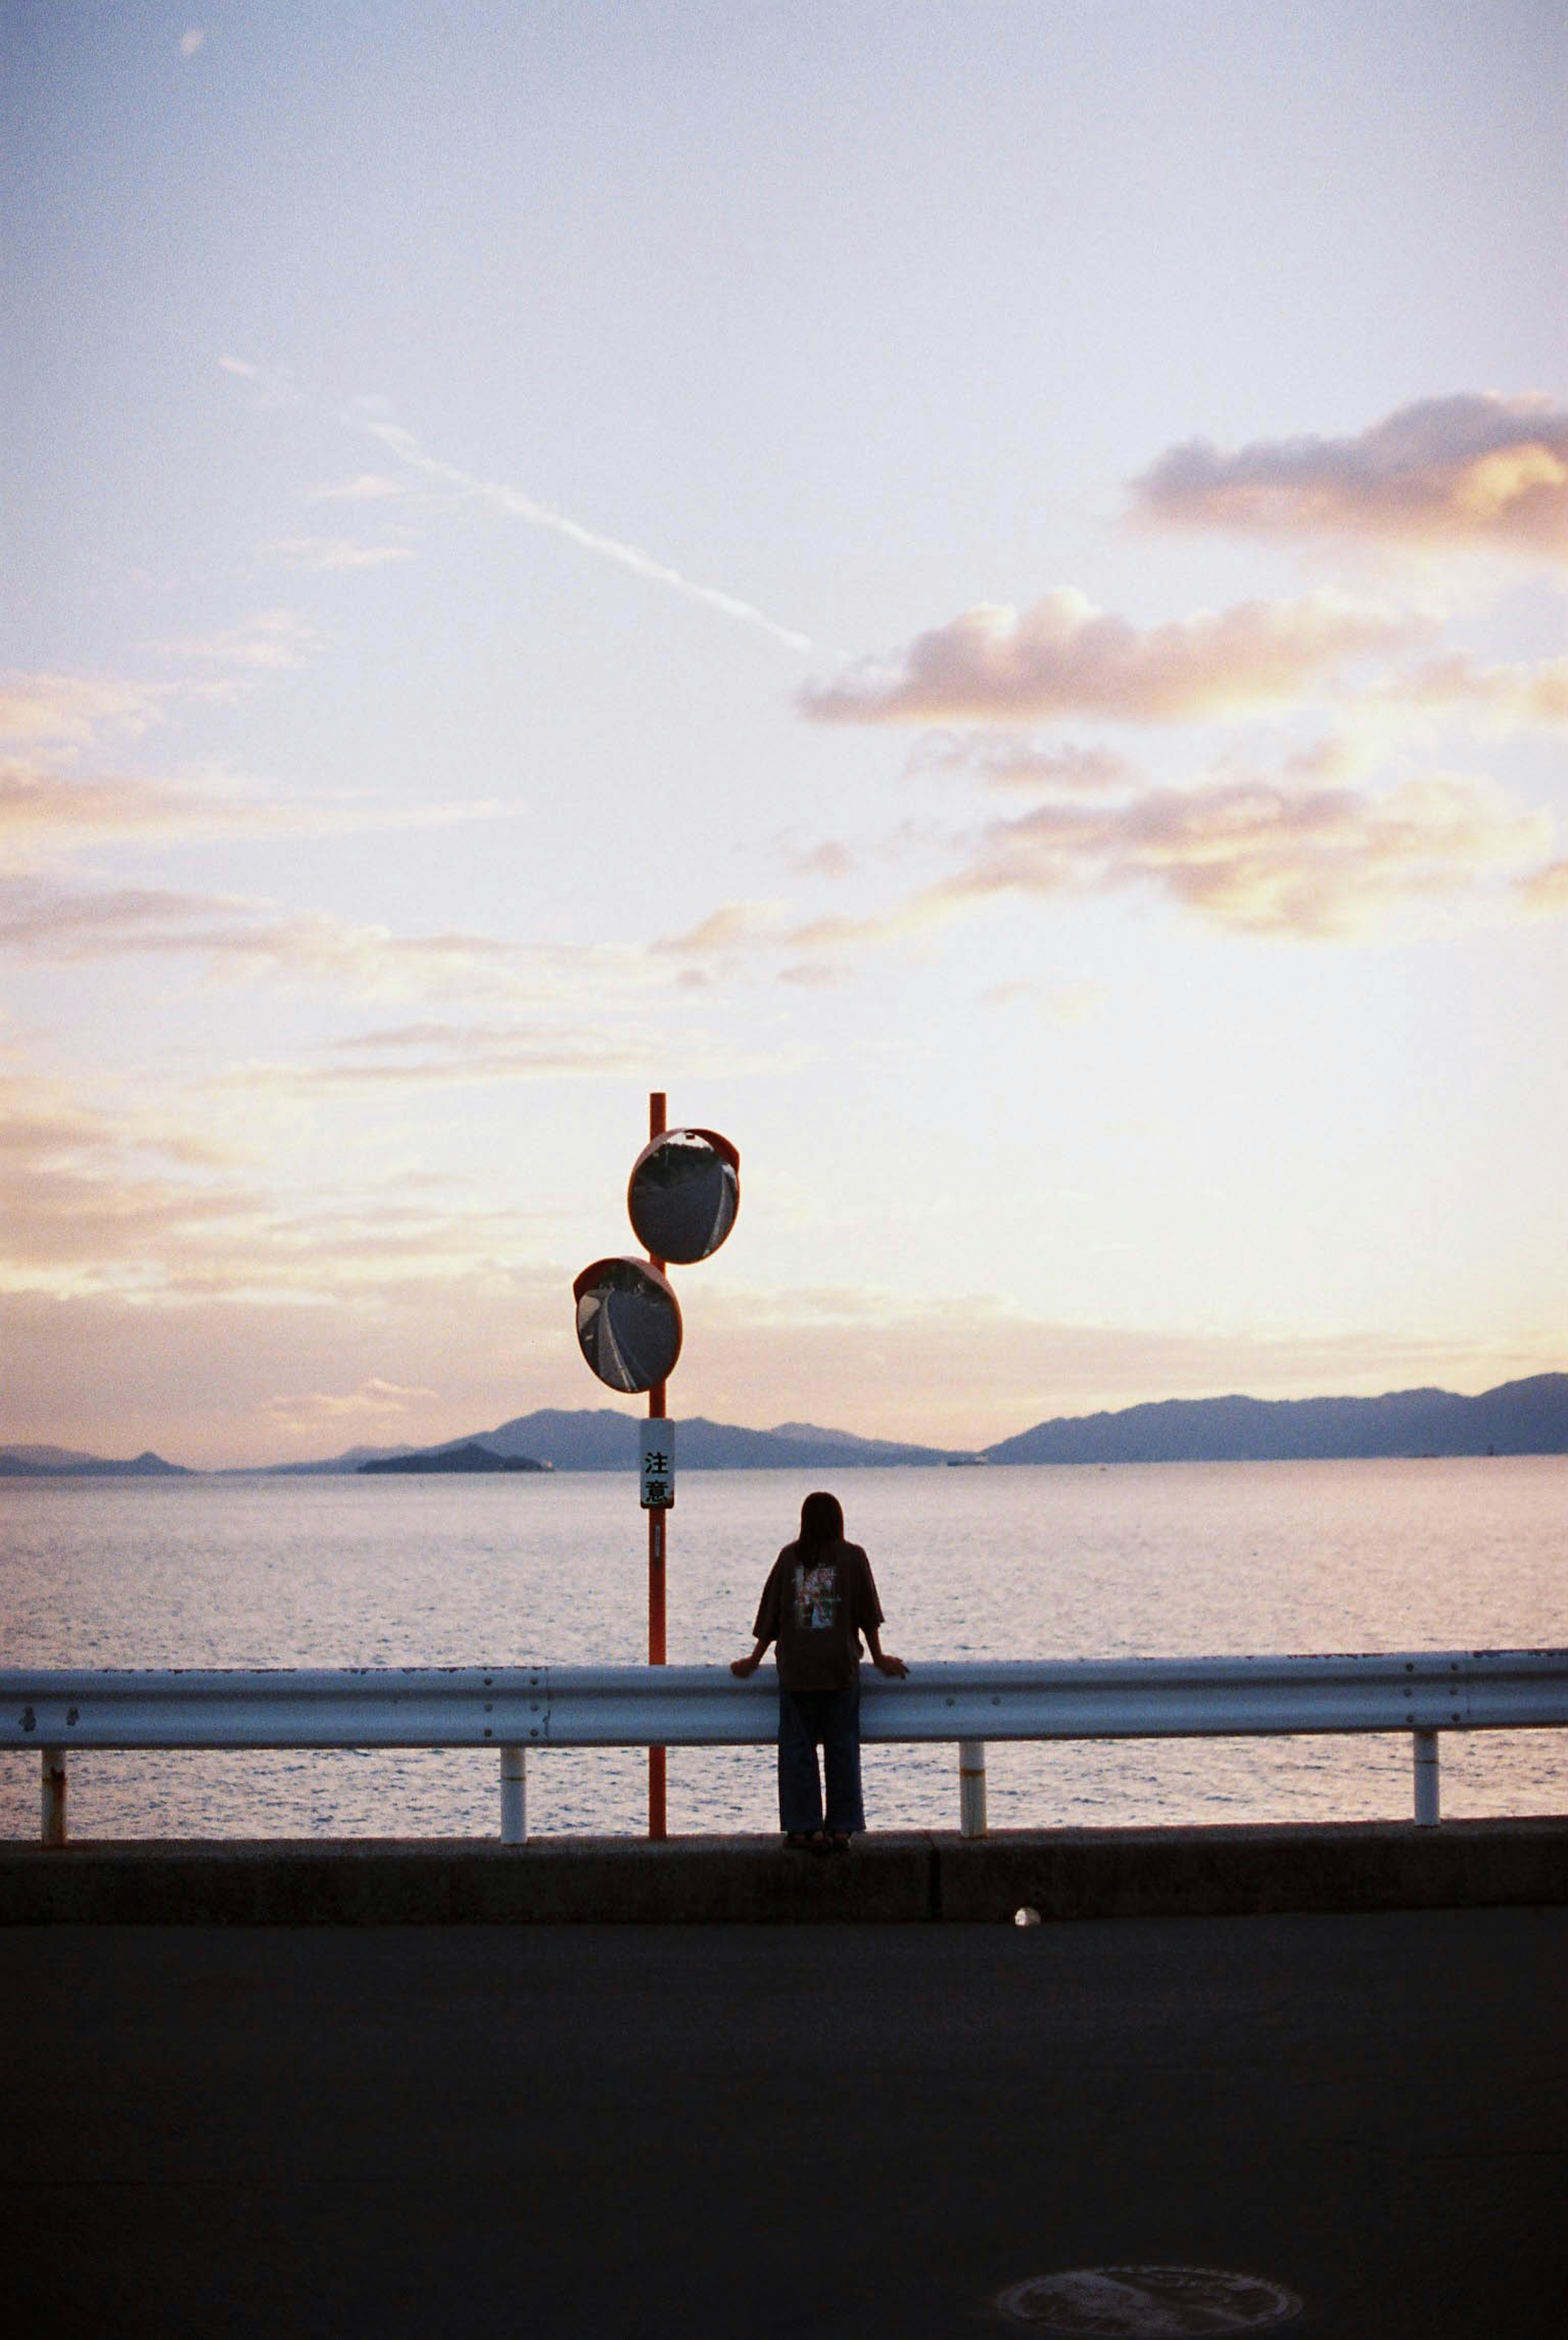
{"x": 333, "y": 552}
{"x": 245, "y": 936}
{"x": 1265, "y": 857}
{"x": 277, "y": 639}
{"x": 87, "y": 1192}
{"x": 829, "y": 859}
{"x": 747, "y": 929}
{"x": 734, "y": 926}
{"x": 1075, "y": 1003}
{"x": 63, "y": 712}
{"x": 1473, "y": 470}
{"x": 811, "y": 973}
{"x": 1066, "y": 658}
{"x": 1544, "y": 893}
{"x": 368, "y": 487}
{"x": 1526, "y": 696}
{"x": 270, "y": 385}
{"x": 518, "y": 506}
{"x": 106, "y": 1195}
{"x": 192, "y": 41}
{"x": 375, "y": 1397}
{"x": 1301, "y": 852}
{"x": 38, "y": 806}
{"x": 1013, "y": 760}
{"x": 45, "y": 812}
{"x": 448, "y": 1055}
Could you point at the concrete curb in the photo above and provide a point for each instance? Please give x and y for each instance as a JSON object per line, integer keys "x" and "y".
{"x": 751, "y": 1881}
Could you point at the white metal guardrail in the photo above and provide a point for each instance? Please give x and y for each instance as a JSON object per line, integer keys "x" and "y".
{"x": 513, "y": 1709}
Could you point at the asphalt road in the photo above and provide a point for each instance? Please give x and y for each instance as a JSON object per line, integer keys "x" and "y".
{"x": 816, "y": 2132}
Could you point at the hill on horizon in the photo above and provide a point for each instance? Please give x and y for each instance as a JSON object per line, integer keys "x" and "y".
{"x": 601, "y": 1438}
{"x": 606, "y": 1440}
{"x": 65, "y": 1463}
{"x": 1524, "y": 1417}
{"x": 470, "y": 1456}
{"x": 1521, "y": 1417}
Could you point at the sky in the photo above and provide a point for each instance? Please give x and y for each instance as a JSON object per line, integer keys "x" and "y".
{"x": 976, "y": 593}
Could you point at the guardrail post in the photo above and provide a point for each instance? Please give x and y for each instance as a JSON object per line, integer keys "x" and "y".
{"x": 54, "y": 1786}
{"x": 971, "y": 1787}
{"x": 1425, "y": 1752}
{"x": 514, "y": 1795}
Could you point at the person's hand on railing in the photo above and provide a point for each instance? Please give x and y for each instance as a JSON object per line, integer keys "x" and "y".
{"x": 886, "y": 1664}
{"x": 748, "y": 1665}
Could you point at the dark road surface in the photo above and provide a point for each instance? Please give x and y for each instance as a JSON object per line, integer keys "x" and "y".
{"x": 811, "y": 2132}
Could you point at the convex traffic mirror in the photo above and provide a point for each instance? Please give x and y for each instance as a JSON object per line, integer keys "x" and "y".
{"x": 628, "y": 1323}
{"x": 684, "y": 1193}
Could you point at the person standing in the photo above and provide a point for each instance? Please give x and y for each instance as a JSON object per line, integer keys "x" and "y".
{"x": 820, "y": 1597}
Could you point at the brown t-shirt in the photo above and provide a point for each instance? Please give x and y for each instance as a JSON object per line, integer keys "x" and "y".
{"x": 816, "y": 1607}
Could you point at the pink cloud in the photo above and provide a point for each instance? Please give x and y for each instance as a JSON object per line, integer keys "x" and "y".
{"x": 1014, "y": 760}
{"x": 375, "y": 1397}
{"x": 1065, "y": 658}
{"x": 1265, "y": 856}
{"x": 1469, "y": 470}
{"x": 61, "y": 712}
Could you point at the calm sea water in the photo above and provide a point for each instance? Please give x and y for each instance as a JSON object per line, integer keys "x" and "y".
{"x": 1022, "y": 1562}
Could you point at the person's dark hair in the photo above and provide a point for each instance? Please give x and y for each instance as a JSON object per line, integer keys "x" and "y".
{"x": 821, "y": 1521}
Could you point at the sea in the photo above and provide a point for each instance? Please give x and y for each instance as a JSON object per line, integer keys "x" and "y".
{"x": 1153, "y": 1560}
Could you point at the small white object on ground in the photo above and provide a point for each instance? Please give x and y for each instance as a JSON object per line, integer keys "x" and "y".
{"x": 1136, "y": 2302}
{"x": 1026, "y": 1917}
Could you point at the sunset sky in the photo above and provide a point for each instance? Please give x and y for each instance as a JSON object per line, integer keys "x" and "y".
{"x": 976, "y": 591}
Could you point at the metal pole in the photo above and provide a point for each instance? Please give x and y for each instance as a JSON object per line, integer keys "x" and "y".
{"x": 656, "y": 1413}
{"x": 54, "y": 1786}
{"x": 971, "y": 1787}
{"x": 1425, "y": 1752}
{"x": 514, "y": 1795}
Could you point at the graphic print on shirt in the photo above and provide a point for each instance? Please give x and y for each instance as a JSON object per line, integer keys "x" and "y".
{"x": 816, "y": 1596}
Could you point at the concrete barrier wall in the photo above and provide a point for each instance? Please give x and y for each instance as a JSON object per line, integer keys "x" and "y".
{"x": 752, "y": 1880}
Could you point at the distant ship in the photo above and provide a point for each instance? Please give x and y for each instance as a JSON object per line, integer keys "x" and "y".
{"x": 966, "y": 1461}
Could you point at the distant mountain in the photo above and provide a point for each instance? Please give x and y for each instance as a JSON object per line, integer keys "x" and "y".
{"x": 1522, "y": 1417}
{"x": 470, "y": 1456}
{"x": 47, "y": 1458}
{"x": 604, "y": 1440}
{"x": 40, "y": 1463}
{"x": 832, "y": 1445}
{"x": 1526, "y": 1417}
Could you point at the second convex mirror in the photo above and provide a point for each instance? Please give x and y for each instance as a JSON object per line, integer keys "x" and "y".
{"x": 684, "y": 1194}
{"x": 628, "y": 1323}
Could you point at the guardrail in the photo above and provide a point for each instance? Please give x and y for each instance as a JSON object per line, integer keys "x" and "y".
{"x": 512, "y": 1709}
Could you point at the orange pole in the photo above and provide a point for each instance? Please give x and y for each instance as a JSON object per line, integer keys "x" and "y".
{"x": 656, "y": 1413}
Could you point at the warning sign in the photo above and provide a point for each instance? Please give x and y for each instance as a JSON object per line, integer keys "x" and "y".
{"x": 658, "y": 1465}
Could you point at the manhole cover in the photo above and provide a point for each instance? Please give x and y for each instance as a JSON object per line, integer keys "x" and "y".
{"x": 1149, "y": 2303}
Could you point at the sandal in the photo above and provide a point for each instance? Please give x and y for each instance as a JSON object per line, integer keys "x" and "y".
{"x": 797, "y": 1840}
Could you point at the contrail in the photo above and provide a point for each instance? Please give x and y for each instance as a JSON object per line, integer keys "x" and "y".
{"x": 407, "y": 448}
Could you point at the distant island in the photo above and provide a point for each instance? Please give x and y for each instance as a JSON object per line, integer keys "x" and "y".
{"x": 470, "y": 1456}
{"x": 1527, "y": 1417}
{"x": 1522, "y": 1417}
{"x": 602, "y": 1439}
{"x": 62, "y": 1463}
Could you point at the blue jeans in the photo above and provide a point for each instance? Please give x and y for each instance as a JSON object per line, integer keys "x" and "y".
{"x": 831, "y": 1718}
